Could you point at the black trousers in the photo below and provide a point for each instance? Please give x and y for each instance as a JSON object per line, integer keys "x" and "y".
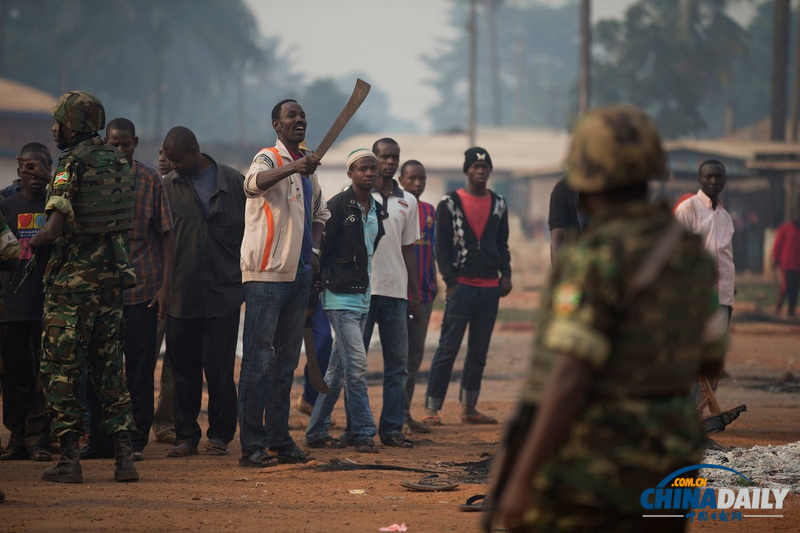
{"x": 195, "y": 346}
{"x": 792, "y": 288}
{"x": 23, "y": 400}
{"x": 141, "y": 330}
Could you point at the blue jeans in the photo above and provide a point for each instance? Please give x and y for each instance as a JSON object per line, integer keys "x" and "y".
{"x": 323, "y": 344}
{"x": 391, "y": 317}
{"x": 348, "y": 367}
{"x": 476, "y": 307}
{"x": 273, "y": 333}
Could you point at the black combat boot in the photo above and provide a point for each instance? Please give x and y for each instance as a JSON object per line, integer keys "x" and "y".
{"x": 68, "y": 469}
{"x": 124, "y": 469}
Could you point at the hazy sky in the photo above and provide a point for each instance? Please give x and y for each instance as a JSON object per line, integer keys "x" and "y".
{"x": 384, "y": 39}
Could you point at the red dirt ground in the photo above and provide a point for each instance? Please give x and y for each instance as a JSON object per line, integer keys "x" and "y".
{"x": 211, "y": 493}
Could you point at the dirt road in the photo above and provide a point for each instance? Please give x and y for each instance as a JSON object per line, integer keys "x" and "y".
{"x": 211, "y": 493}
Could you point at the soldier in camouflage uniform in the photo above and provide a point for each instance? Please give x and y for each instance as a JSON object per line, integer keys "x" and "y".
{"x": 628, "y": 321}
{"x": 90, "y": 210}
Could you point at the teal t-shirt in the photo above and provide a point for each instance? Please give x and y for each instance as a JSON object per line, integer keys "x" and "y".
{"x": 356, "y": 302}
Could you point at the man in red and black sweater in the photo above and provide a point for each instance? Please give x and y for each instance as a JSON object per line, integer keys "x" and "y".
{"x": 475, "y": 264}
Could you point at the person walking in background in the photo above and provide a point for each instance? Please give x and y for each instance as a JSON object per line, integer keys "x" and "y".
{"x": 21, "y": 317}
{"x": 705, "y": 215}
{"x": 786, "y": 258}
{"x": 566, "y": 217}
{"x": 413, "y": 179}
{"x": 207, "y": 202}
{"x": 285, "y": 216}
{"x": 352, "y": 234}
{"x": 471, "y": 251}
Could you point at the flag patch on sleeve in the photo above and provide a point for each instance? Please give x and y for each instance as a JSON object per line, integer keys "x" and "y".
{"x": 567, "y": 299}
{"x": 61, "y": 177}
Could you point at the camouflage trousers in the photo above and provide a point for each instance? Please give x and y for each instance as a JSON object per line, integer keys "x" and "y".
{"x": 84, "y": 329}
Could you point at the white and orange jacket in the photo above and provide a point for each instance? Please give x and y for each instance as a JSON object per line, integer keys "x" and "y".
{"x": 274, "y": 220}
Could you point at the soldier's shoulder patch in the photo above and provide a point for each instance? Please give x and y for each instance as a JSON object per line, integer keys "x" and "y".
{"x": 566, "y": 299}
{"x": 61, "y": 178}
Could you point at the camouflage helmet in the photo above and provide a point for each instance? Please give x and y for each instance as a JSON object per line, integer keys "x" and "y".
{"x": 79, "y": 111}
{"x": 614, "y": 146}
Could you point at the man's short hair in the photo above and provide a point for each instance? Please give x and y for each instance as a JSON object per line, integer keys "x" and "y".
{"x": 385, "y": 140}
{"x": 710, "y": 162}
{"x": 36, "y": 148}
{"x": 121, "y": 124}
{"x": 180, "y": 138}
{"x": 410, "y": 163}
{"x": 276, "y": 111}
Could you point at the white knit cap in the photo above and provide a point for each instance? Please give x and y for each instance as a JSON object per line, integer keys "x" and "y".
{"x": 359, "y": 153}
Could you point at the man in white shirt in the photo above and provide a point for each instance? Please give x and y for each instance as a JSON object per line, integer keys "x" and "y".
{"x": 705, "y": 215}
{"x": 394, "y": 274}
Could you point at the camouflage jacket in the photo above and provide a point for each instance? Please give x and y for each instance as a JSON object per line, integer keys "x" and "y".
{"x": 645, "y": 349}
{"x": 83, "y": 262}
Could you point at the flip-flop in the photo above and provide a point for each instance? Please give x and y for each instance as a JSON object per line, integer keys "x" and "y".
{"x": 432, "y": 420}
{"x": 474, "y": 503}
{"x": 183, "y": 450}
{"x": 328, "y": 442}
{"x": 258, "y": 459}
{"x": 479, "y": 419}
{"x": 431, "y": 483}
{"x": 216, "y": 447}
{"x": 38, "y": 453}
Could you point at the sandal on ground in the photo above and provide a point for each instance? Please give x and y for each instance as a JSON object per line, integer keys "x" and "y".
{"x": 327, "y": 442}
{"x": 216, "y": 447}
{"x": 419, "y": 427}
{"x": 365, "y": 446}
{"x": 475, "y": 503}
{"x": 183, "y": 450}
{"x": 13, "y": 453}
{"x": 431, "y": 420}
{"x": 398, "y": 440}
{"x": 38, "y": 453}
{"x": 257, "y": 459}
{"x": 480, "y": 418}
{"x": 431, "y": 483}
{"x": 293, "y": 455}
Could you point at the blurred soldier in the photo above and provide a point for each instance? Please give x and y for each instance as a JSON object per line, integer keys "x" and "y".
{"x": 90, "y": 211}
{"x": 629, "y": 320}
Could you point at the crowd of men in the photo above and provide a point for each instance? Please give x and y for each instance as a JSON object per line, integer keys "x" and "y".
{"x": 107, "y": 256}
{"x": 635, "y": 311}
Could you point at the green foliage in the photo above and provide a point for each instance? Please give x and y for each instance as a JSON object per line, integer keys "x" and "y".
{"x": 668, "y": 60}
{"x": 158, "y": 63}
{"x": 544, "y": 41}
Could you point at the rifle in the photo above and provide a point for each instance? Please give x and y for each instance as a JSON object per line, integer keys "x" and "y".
{"x": 41, "y": 254}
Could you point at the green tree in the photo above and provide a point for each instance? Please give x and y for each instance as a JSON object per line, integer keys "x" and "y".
{"x": 668, "y": 59}
{"x": 538, "y": 65}
{"x": 190, "y": 62}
